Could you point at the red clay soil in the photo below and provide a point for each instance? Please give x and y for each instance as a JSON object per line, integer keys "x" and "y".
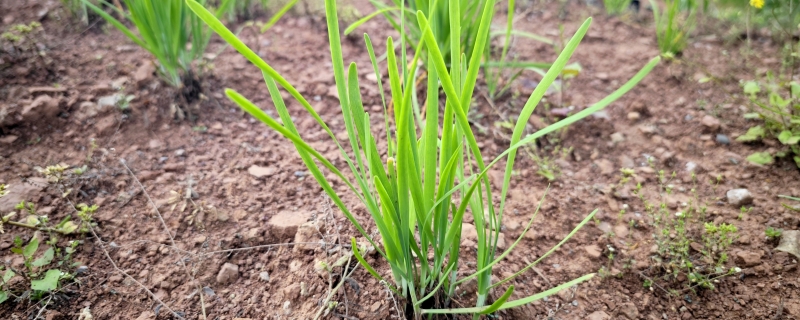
{"x": 247, "y": 188}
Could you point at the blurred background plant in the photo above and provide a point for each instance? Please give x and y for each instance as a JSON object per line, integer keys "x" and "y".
{"x": 168, "y": 30}
{"x": 673, "y": 25}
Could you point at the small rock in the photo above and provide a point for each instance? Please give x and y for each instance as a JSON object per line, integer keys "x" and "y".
{"x": 739, "y": 197}
{"x": 628, "y": 310}
{"x": 633, "y": 116}
{"x": 43, "y": 107}
{"x": 264, "y": 276}
{"x": 617, "y": 137}
{"x": 228, "y": 273}
{"x": 598, "y": 315}
{"x": 621, "y": 230}
{"x": 180, "y": 152}
{"x": 106, "y": 102}
{"x": 723, "y": 139}
{"x": 9, "y": 139}
{"x": 284, "y": 224}
{"x": 260, "y": 172}
{"x": 154, "y": 144}
{"x": 144, "y": 73}
{"x": 605, "y": 166}
{"x": 626, "y": 162}
{"x": 593, "y": 251}
{"x": 790, "y": 242}
{"x": 710, "y": 123}
{"x": 691, "y": 166}
{"x": 468, "y": 232}
{"x": 306, "y": 233}
{"x": 748, "y": 258}
{"x": 81, "y": 270}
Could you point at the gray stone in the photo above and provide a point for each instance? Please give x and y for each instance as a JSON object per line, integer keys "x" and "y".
{"x": 723, "y": 139}
{"x": 264, "y": 276}
{"x": 739, "y": 197}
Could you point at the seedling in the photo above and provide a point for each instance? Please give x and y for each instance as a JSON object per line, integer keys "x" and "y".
{"x": 773, "y": 234}
{"x": 673, "y": 26}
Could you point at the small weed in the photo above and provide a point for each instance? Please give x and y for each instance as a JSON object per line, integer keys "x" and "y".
{"x": 777, "y": 103}
{"x": 690, "y": 250}
{"x": 616, "y": 7}
{"x": 773, "y": 234}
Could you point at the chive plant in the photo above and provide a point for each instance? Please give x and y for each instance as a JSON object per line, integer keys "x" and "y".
{"x": 673, "y": 25}
{"x": 432, "y": 173}
{"x": 402, "y": 16}
{"x": 167, "y": 29}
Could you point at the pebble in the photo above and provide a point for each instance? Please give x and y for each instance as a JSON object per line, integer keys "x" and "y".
{"x": 180, "y": 152}
{"x": 691, "y": 166}
{"x": 598, "y": 315}
{"x": 748, "y": 258}
{"x": 723, "y": 139}
{"x": 260, "y": 172}
{"x": 264, "y": 276}
{"x": 305, "y": 237}
{"x": 633, "y": 116}
{"x": 228, "y": 273}
{"x": 617, "y": 137}
{"x": 593, "y": 251}
{"x": 81, "y": 270}
{"x": 739, "y": 197}
{"x": 710, "y": 122}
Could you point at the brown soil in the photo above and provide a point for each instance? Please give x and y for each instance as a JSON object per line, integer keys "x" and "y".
{"x": 248, "y": 189}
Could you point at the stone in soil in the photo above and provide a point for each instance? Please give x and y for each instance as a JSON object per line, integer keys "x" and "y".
{"x": 283, "y": 225}
{"x": 264, "y": 276}
{"x": 43, "y": 107}
{"x": 723, "y": 139}
{"x": 260, "y": 172}
{"x": 748, "y": 258}
{"x": 598, "y": 315}
{"x": 790, "y": 242}
{"x": 710, "y": 123}
{"x": 306, "y": 237}
{"x": 739, "y": 197}
{"x": 228, "y": 273}
{"x": 144, "y": 73}
{"x": 593, "y": 251}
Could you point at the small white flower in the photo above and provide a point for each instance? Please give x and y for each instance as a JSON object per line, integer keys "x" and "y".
{"x": 679, "y": 214}
{"x": 737, "y": 269}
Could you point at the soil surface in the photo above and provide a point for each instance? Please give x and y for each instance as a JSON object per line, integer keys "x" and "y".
{"x": 247, "y": 227}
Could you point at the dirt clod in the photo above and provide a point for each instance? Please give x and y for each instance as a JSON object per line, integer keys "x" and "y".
{"x": 228, "y": 273}
{"x": 748, "y": 258}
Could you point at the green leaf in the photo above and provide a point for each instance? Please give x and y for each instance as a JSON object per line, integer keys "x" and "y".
{"x": 48, "y": 283}
{"x": 751, "y": 88}
{"x": 786, "y": 137}
{"x": 8, "y": 275}
{"x": 31, "y": 248}
{"x": 3, "y": 296}
{"x": 45, "y": 259}
{"x": 753, "y": 134}
{"x": 67, "y": 227}
{"x": 797, "y": 161}
{"x": 752, "y": 115}
{"x": 761, "y": 158}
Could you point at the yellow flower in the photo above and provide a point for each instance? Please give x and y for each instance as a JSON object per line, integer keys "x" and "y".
{"x": 758, "y": 4}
